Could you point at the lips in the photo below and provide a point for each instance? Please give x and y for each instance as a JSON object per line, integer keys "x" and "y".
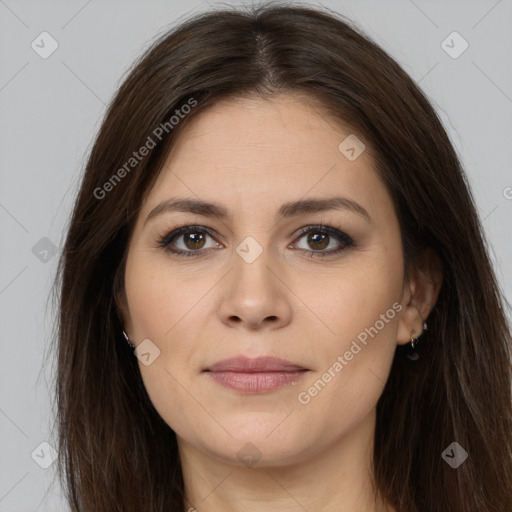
{"x": 258, "y": 375}
{"x": 258, "y": 364}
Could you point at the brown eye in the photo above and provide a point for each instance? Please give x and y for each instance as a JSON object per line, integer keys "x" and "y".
{"x": 318, "y": 241}
{"x": 188, "y": 241}
{"x": 319, "y": 238}
{"x": 193, "y": 240}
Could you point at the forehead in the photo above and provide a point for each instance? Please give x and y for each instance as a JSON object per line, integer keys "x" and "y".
{"x": 246, "y": 151}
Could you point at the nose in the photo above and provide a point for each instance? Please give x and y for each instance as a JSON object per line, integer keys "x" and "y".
{"x": 255, "y": 296}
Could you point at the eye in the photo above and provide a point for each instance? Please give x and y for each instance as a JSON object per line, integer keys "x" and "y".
{"x": 321, "y": 237}
{"x": 192, "y": 238}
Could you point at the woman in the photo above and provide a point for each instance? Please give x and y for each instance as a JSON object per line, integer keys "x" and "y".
{"x": 273, "y": 216}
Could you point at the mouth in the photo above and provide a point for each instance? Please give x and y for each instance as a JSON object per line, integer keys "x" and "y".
{"x": 258, "y": 375}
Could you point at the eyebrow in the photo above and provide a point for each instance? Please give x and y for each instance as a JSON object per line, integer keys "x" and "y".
{"x": 291, "y": 209}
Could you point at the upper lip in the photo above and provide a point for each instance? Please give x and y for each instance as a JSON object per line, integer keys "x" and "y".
{"x": 258, "y": 364}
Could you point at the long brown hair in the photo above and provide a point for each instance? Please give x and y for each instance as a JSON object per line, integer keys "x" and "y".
{"x": 115, "y": 451}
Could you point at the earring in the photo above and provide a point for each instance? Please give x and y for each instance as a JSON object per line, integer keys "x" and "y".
{"x": 127, "y": 339}
{"x": 414, "y": 341}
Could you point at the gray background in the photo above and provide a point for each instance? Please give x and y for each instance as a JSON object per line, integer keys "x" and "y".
{"x": 51, "y": 108}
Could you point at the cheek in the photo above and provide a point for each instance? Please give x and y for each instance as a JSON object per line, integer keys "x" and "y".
{"x": 160, "y": 298}
{"x": 346, "y": 303}
{"x": 359, "y": 322}
{"x": 164, "y": 308}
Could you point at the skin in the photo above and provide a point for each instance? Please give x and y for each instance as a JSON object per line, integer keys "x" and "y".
{"x": 252, "y": 155}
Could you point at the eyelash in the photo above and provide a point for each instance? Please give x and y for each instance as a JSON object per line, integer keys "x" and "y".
{"x": 346, "y": 240}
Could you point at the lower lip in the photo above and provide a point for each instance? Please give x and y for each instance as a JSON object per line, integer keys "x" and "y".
{"x": 256, "y": 382}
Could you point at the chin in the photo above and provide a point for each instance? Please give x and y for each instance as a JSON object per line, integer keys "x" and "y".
{"x": 267, "y": 441}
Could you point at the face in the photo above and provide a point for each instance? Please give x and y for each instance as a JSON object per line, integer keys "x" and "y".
{"x": 280, "y": 274}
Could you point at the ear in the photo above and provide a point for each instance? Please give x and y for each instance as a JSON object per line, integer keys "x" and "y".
{"x": 419, "y": 295}
{"x": 121, "y": 301}
{"x": 122, "y": 311}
